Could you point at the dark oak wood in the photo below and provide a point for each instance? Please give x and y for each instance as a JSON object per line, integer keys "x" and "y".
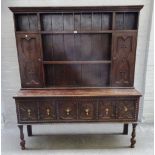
{"x": 123, "y": 59}
{"x": 76, "y": 65}
{"x": 90, "y": 92}
{"x": 22, "y": 142}
{"x": 29, "y": 56}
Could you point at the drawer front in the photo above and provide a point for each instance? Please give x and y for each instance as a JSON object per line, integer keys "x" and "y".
{"x": 106, "y": 110}
{"x": 82, "y": 109}
{"x": 126, "y": 109}
{"x": 27, "y": 110}
{"x": 67, "y": 110}
{"x": 47, "y": 110}
{"x": 87, "y": 111}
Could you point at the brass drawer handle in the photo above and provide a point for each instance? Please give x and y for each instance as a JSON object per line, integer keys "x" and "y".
{"x": 106, "y": 111}
{"x": 125, "y": 109}
{"x": 87, "y": 111}
{"x": 68, "y": 111}
{"x": 29, "y": 112}
{"x": 48, "y": 111}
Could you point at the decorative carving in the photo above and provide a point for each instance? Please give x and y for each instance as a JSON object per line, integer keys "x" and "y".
{"x": 123, "y": 60}
{"x": 67, "y": 109}
{"x": 124, "y": 46}
{"x": 86, "y": 109}
{"x": 106, "y": 110}
{"x": 126, "y": 110}
{"x": 47, "y": 110}
{"x": 28, "y": 111}
{"x": 30, "y": 67}
{"x": 123, "y": 72}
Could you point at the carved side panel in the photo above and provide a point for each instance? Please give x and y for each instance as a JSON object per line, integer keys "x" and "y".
{"x": 29, "y": 53}
{"x": 123, "y": 59}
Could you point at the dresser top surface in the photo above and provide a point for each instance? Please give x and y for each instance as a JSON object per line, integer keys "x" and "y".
{"x": 78, "y": 92}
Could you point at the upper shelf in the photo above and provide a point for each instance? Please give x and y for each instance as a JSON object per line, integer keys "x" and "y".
{"x": 99, "y": 22}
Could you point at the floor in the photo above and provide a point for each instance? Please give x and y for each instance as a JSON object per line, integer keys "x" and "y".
{"x": 78, "y": 139}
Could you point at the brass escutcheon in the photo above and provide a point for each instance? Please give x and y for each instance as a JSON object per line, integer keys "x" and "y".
{"x": 87, "y": 111}
{"x": 106, "y": 111}
{"x": 68, "y": 111}
{"x": 48, "y": 111}
{"x": 29, "y": 112}
{"x": 125, "y": 108}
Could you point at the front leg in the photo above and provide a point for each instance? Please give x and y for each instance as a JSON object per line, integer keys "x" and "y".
{"x": 133, "y": 140}
{"x": 22, "y": 142}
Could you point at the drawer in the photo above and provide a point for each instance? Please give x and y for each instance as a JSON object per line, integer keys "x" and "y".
{"x": 87, "y": 111}
{"x": 67, "y": 110}
{"x": 76, "y": 109}
{"x": 106, "y": 110}
{"x": 47, "y": 110}
{"x": 126, "y": 109}
{"x": 27, "y": 110}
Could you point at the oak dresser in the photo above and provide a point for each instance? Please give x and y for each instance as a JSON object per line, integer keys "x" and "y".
{"x": 76, "y": 65}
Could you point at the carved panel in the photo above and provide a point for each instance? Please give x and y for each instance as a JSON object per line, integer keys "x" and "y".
{"x": 47, "y": 110}
{"x": 106, "y": 110}
{"x": 67, "y": 110}
{"x": 30, "y": 60}
{"x": 27, "y": 110}
{"x": 123, "y": 59}
{"x": 126, "y": 109}
{"x": 87, "y": 110}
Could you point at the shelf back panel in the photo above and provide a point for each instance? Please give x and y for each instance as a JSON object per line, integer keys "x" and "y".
{"x": 76, "y": 47}
{"x": 26, "y": 22}
{"x": 76, "y": 21}
{"x": 77, "y": 75}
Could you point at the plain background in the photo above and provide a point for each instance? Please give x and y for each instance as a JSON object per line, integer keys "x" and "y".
{"x": 144, "y": 59}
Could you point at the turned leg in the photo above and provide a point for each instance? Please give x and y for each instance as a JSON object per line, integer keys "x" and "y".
{"x": 125, "y": 129}
{"x": 133, "y": 135}
{"x": 22, "y": 142}
{"x": 29, "y": 130}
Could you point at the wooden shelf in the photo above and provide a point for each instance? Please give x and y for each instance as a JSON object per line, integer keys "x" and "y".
{"x": 76, "y": 32}
{"x": 78, "y": 62}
